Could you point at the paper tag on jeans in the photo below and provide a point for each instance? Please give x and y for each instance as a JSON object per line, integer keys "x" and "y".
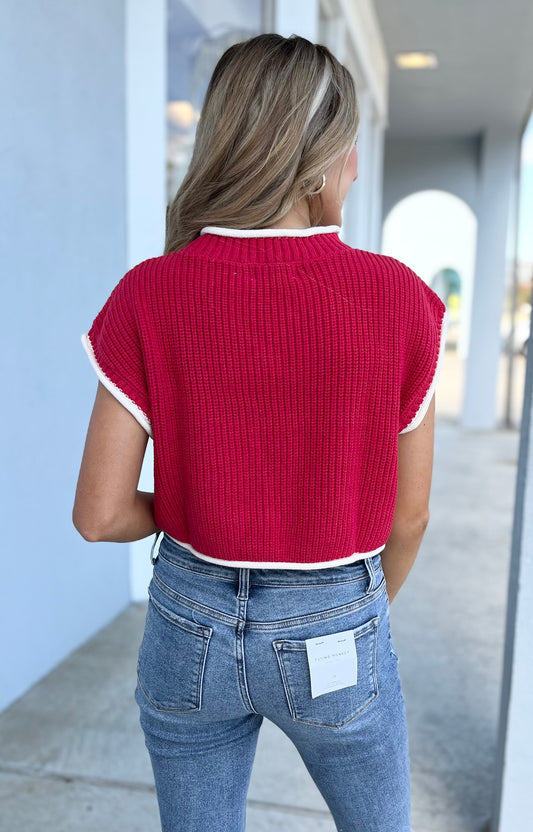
{"x": 332, "y": 662}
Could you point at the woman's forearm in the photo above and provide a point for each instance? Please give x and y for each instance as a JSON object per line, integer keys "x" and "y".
{"x": 134, "y": 524}
{"x": 400, "y": 552}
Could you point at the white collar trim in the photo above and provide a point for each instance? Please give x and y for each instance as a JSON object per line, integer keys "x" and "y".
{"x": 269, "y": 232}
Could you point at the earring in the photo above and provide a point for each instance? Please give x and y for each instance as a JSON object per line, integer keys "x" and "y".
{"x": 314, "y": 193}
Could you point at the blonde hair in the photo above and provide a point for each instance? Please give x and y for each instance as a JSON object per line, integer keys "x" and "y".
{"x": 276, "y": 114}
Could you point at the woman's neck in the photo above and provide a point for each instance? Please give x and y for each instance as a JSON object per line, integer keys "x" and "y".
{"x": 297, "y": 217}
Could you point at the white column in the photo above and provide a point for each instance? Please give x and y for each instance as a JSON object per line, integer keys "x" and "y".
{"x": 334, "y": 36}
{"x": 497, "y": 167}
{"x": 363, "y": 183}
{"x": 356, "y": 213}
{"x": 146, "y": 93}
{"x": 299, "y": 17}
{"x": 513, "y": 807}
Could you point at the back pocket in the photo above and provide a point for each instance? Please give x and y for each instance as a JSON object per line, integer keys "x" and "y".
{"x": 171, "y": 663}
{"x": 334, "y": 709}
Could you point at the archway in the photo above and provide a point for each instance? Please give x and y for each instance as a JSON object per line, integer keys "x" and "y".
{"x": 434, "y": 233}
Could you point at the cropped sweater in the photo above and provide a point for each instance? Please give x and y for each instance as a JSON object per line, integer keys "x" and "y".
{"x": 274, "y": 370}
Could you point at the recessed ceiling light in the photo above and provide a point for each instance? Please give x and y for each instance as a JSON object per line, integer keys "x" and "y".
{"x": 416, "y": 60}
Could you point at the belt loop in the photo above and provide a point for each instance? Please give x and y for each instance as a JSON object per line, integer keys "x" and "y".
{"x": 372, "y": 582}
{"x": 152, "y": 558}
{"x": 244, "y": 583}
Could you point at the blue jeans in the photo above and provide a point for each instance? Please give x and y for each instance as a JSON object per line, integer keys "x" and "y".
{"x": 224, "y": 647}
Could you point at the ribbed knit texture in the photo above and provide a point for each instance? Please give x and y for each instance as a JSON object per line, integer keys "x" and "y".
{"x": 274, "y": 374}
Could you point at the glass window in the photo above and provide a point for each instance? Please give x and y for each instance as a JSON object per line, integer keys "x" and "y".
{"x": 199, "y": 31}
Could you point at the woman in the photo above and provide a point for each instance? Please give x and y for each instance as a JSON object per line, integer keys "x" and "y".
{"x": 287, "y": 381}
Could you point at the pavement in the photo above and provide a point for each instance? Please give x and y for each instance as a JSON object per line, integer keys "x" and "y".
{"x": 72, "y": 754}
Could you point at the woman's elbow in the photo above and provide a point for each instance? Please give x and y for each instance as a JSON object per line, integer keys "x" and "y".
{"x": 414, "y": 523}
{"x": 89, "y": 529}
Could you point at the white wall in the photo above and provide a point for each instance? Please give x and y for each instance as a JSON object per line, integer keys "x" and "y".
{"x": 478, "y": 170}
{"x": 62, "y": 236}
{"x": 432, "y": 230}
{"x": 442, "y": 164}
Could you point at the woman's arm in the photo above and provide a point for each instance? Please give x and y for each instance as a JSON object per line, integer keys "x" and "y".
{"x": 411, "y": 515}
{"x": 108, "y": 505}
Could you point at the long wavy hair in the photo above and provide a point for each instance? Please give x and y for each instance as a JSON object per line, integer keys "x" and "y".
{"x": 276, "y": 114}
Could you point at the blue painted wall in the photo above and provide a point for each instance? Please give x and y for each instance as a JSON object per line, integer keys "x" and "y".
{"x": 63, "y": 244}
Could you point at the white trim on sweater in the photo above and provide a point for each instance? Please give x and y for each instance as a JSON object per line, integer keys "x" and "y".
{"x": 262, "y": 564}
{"x": 269, "y": 232}
{"x": 422, "y": 410}
{"x": 125, "y": 400}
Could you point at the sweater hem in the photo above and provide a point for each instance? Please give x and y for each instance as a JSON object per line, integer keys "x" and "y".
{"x": 250, "y": 564}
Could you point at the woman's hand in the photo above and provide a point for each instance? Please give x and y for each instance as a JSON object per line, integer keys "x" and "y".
{"x": 108, "y": 506}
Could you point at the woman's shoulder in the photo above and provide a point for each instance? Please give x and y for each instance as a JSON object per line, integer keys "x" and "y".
{"x": 414, "y": 291}
{"x": 151, "y": 272}
{"x": 374, "y": 266}
{"x": 385, "y": 262}
{"x": 155, "y": 264}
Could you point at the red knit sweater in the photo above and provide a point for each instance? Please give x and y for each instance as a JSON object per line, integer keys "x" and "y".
{"x": 274, "y": 370}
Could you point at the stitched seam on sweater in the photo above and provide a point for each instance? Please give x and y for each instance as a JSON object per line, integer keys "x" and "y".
{"x": 327, "y": 256}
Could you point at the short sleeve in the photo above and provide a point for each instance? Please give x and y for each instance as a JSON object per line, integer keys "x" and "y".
{"x": 114, "y": 348}
{"x": 424, "y": 322}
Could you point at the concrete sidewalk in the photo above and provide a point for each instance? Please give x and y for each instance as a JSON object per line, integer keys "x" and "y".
{"x": 72, "y": 754}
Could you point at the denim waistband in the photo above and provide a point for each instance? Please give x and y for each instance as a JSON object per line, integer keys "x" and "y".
{"x": 172, "y": 551}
